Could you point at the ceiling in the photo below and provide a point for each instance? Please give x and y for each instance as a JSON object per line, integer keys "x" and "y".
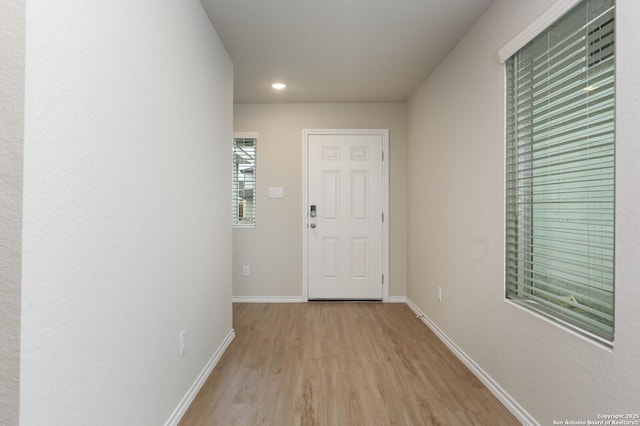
{"x": 337, "y": 50}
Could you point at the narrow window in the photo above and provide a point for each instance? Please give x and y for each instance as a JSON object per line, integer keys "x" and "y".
{"x": 244, "y": 181}
{"x": 560, "y": 171}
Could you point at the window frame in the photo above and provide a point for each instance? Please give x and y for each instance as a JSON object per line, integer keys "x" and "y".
{"x": 236, "y": 223}
{"x": 537, "y": 28}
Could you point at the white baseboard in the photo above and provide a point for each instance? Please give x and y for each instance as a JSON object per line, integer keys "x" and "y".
{"x": 507, "y": 400}
{"x": 268, "y": 299}
{"x": 182, "y": 407}
{"x": 296, "y": 299}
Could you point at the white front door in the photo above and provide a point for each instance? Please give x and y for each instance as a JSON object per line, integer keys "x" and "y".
{"x": 345, "y": 215}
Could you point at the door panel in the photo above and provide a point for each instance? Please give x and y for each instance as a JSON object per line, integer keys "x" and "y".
{"x": 330, "y": 195}
{"x": 345, "y": 178}
{"x": 359, "y": 196}
{"x": 359, "y": 258}
{"x": 330, "y": 258}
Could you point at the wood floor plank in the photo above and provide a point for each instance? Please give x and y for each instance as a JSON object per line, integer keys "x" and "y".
{"x": 340, "y": 364}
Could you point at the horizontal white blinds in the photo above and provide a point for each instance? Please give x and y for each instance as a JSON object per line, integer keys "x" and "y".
{"x": 560, "y": 170}
{"x": 244, "y": 182}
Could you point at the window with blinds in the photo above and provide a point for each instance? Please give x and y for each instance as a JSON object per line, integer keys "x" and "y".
{"x": 244, "y": 182}
{"x": 560, "y": 171}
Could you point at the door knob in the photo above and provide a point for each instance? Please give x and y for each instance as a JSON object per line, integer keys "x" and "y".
{"x": 313, "y": 226}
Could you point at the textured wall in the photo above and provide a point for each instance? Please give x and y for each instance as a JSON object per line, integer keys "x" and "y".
{"x": 126, "y": 242}
{"x": 279, "y": 272}
{"x": 11, "y": 144}
{"x": 456, "y": 214}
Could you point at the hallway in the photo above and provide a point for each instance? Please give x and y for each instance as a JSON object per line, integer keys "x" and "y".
{"x": 340, "y": 364}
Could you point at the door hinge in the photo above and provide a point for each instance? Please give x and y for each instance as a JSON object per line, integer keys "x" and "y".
{"x": 382, "y": 279}
{"x": 383, "y": 216}
{"x": 382, "y": 155}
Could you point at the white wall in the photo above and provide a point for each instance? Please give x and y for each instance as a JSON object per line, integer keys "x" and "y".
{"x": 126, "y": 208}
{"x": 12, "y": 14}
{"x": 456, "y": 190}
{"x": 274, "y": 248}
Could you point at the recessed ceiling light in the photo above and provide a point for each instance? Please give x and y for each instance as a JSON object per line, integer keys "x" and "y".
{"x": 278, "y": 86}
{"x": 590, "y": 88}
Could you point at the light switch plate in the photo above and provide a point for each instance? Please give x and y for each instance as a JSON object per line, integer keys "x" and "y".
{"x": 276, "y": 192}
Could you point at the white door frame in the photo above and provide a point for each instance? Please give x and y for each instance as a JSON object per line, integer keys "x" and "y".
{"x": 385, "y": 201}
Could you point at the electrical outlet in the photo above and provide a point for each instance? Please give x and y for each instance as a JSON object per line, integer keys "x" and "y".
{"x": 439, "y": 294}
{"x": 246, "y": 270}
{"x": 183, "y": 342}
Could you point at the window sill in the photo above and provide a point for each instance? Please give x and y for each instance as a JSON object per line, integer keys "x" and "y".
{"x": 533, "y": 308}
{"x": 245, "y": 226}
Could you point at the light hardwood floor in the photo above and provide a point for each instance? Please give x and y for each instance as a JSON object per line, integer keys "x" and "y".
{"x": 340, "y": 364}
